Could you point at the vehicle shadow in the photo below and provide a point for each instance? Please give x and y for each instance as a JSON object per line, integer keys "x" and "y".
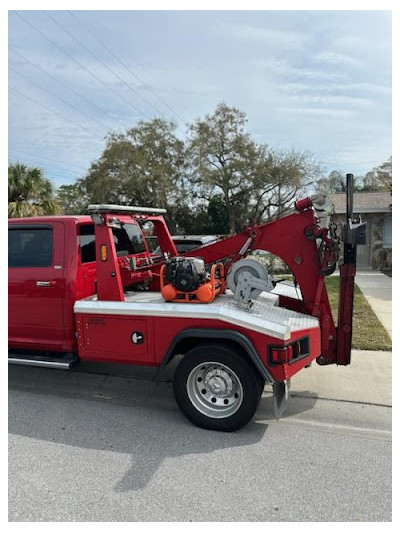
{"x": 299, "y": 402}
{"x": 181, "y": 439}
{"x": 52, "y": 406}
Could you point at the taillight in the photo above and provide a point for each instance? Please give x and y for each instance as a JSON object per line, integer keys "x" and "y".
{"x": 278, "y": 356}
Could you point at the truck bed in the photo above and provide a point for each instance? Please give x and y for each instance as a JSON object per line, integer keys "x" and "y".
{"x": 264, "y": 317}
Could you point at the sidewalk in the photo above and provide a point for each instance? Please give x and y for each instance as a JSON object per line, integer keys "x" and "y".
{"x": 368, "y": 379}
{"x": 377, "y": 289}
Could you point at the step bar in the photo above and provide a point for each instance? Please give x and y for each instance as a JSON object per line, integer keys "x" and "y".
{"x": 60, "y": 363}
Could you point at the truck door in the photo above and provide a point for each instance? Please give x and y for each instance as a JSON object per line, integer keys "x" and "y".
{"x": 36, "y": 285}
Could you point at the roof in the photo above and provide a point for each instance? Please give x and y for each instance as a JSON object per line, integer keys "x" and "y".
{"x": 363, "y": 202}
{"x": 49, "y": 218}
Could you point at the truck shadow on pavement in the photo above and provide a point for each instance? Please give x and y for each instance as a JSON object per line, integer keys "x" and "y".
{"x": 106, "y": 415}
{"x": 299, "y": 402}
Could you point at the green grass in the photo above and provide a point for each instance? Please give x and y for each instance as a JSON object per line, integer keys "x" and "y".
{"x": 368, "y": 331}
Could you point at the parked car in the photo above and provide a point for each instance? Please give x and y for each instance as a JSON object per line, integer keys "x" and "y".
{"x": 184, "y": 243}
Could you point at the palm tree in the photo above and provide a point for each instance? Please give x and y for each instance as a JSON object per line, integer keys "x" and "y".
{"x": 30, "y": 193}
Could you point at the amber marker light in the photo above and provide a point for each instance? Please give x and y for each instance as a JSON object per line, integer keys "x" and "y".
{"x": 103, "y": 252}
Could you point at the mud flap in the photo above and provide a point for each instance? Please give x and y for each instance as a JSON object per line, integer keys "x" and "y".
{"x": 281, "y": 397}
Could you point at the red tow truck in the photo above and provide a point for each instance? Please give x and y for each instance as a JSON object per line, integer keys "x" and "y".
{"x": 86, "y": 288}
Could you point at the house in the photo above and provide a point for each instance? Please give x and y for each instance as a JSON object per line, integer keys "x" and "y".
{"x": 375, "y": 208}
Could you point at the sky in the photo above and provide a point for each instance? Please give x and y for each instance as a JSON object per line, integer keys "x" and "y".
{"x": 315, "y": 81}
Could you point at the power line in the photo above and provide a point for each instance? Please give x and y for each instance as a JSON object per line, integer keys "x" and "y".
{"x": 12, "y": 159}
{"x": 34, "y": 160}
{"x": 46, "y": 157}
{"x": 99, "y": 60}
{"x": 65, "y": 86}
{"x": 52, "y": 111}
{"x": 69, "y": 55}
{"x": 58, "y": 98}
{"x": 116, "y": 57}
{"x": 126, "y": 67}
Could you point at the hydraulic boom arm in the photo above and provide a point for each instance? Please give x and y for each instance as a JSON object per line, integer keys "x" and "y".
{"x": 293, "y": 238}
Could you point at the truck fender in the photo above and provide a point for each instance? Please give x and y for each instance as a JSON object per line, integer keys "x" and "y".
{"x": 218, "y": 334}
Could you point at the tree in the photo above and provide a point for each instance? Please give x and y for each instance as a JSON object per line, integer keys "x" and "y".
{"x": 379, "y": 178}
{"x": 223, "y": 159}
{"x": 334, "y": 183}
{"x": 202, "y": 217}
{"x": 252, "y": 180}
{"x": 218, "y": 216}
{"x": 72, "y": 198}
{"x": 282, "y": 178}
{"x": 140, "y": 167}
{"x": 191, "y": 219}
{"x": 30, "y": 193}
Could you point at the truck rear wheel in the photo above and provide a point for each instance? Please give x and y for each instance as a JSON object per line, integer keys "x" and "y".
{"x": 216, "y": 388}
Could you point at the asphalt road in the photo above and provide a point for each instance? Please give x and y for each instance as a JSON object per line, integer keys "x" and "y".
{"x": 94, "y": 448}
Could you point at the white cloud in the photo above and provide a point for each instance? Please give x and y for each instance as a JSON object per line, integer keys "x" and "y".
{"x": 322, "y": 112}
{"x": 332, "y": 100}
{"x": 291, "y": 70}
{"x": 334, "y": 58}
{"x": 337, "y": 88}
{"x": 276, "y": 38}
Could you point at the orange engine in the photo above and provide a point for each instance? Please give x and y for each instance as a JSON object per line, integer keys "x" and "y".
{"x": 205, "y": 293}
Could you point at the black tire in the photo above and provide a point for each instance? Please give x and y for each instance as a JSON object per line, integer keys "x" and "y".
{"x": 217, "y": 388}
{"x": 261, "y": 383}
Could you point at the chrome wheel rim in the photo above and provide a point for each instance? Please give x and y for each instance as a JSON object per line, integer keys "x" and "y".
{"x": 214, "y": 390}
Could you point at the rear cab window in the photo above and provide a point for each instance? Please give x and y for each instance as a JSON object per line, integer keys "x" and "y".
{"x": 128, "y": 241}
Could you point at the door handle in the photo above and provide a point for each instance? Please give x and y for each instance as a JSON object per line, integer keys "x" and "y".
{"x": 45, "y": 283}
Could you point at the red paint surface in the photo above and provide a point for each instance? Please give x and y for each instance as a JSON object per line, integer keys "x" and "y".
{"x": 108, "y": 338}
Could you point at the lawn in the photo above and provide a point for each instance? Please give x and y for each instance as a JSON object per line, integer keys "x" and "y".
{"x": 368, "y": 332}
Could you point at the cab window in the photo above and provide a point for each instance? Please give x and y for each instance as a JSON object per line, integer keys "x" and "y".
{"x": 86, "y": 243}
{"x": 128, "y": 241}
{"x": 30, "y": 247}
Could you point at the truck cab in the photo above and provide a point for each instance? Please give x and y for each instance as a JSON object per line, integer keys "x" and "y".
{"x": 51, "y": 264}
{"x": 42, "y": 274}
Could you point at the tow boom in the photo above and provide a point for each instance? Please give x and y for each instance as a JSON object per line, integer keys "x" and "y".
{"x": 293, "y": 238}
{"x": 354, "y": 233}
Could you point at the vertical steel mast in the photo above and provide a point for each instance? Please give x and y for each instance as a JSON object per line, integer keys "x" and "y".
{"x": 354, "y": 233}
